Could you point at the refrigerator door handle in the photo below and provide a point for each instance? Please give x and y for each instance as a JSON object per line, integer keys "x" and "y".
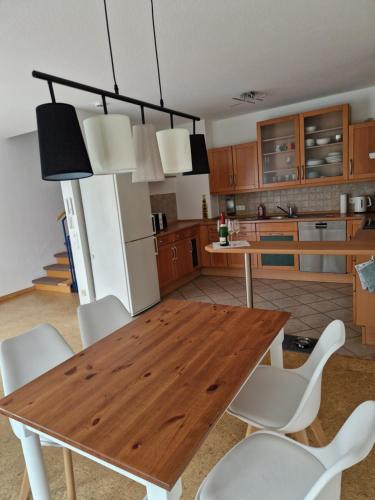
{"x": 156, "y": 245}
{"x": 153, "y": 224}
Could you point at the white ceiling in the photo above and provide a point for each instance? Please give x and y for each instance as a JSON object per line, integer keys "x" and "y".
{"x": 210, "y": 50}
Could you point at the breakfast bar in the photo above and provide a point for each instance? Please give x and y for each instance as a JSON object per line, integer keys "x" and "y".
{"x": 362, "y": 245}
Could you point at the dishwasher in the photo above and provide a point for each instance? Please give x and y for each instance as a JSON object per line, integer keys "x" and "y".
{"x": 322, "y": 231}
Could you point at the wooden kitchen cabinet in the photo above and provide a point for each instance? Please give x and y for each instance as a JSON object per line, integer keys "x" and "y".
{"x": 221, "y": 170}
{"x": 278, "y": 151}
{"x": 216, "y": 260}
{"x": 178, "y": 256}
{"x": 330, "y": 124}
{"x": 352, "y": 227}
{"x": 361, "y": 143}
{"x": 280, "y": 231}
{"x": 234, "y": 168}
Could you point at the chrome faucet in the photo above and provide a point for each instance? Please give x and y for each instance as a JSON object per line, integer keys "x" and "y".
{"x": 289, "y": 212}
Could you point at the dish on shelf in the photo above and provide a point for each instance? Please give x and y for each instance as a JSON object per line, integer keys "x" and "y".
{"x": 312, "y": 175}
{"x": 309, "y": 143}
{"x": 334, "y": 159}
{"x": 313, "y": 163}
{"x": 311, "y": 128}
{"x": 323, "y": 140}
{"x": 335, "y": 153}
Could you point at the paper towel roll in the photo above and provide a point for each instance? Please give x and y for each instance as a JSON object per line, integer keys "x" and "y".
{"x": 343, "y": 204}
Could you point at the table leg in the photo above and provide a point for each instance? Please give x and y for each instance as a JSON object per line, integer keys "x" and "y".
{"x": 276, "y": 350}
{"x": 156, "y": 493}
{"x": 32, "y": 453}
{"x": 249, "y": 281}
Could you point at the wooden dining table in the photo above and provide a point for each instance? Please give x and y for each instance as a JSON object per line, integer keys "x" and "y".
{"x": 142, "y": 400}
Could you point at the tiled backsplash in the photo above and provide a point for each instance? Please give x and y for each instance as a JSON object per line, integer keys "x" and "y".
{"x": 165, "y": 203}
{"x": 304, "y": 199}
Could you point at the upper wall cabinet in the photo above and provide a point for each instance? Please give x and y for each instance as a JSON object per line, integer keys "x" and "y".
{"x": 361, "y": 144}
{"x": 324, "y": 145}
{"x": 278, "y": 151}
{"x": 233, "y": 168}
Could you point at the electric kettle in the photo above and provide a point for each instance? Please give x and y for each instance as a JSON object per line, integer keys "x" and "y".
{"x": 360, "y": 203}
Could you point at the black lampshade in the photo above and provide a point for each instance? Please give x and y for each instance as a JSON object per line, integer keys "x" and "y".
{"x": 199, "y": 156}
{"x": 63, "y": 154}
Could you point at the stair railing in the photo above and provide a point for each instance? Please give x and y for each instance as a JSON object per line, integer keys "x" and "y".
{"x": 62, "y": 218}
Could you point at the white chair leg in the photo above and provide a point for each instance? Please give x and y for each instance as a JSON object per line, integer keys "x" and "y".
{"x": 319, "y": 434}
{"x": 69, "y": 474}
{"x": 25, "y": 487}
{"x": 301, "y": 437}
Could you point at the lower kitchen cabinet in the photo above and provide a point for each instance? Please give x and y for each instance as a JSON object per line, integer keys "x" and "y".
{"x": 216, "y": 260}
{"x": 278, "y": 232}
{"x": 178, "y": 256}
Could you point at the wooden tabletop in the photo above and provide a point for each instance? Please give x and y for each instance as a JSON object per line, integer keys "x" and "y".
{"x": 353, "y": 247}
{"x": 145, "y": 397}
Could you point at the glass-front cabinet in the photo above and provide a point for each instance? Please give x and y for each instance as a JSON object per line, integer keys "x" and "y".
{"x": 278, "y": 151}
{"x": 324, "y": 144}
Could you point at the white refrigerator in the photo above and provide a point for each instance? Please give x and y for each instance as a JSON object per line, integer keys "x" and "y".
{"x": 121, "y": 240}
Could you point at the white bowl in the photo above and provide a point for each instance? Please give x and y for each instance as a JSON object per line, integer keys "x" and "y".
{"x": 309, "y": 143}
{"x": 313, "y": 163}
{"x": 312, "y": 175}
{"x": 332, "y": 159}
{"x": 323, "y": 140}
{"x": 335, "y": 153}
{"x": 311, "y": 128}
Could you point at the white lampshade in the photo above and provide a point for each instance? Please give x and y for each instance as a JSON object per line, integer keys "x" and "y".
{"x": 147, "y": 155}
{"x": 175, "y": 152}
{"x": 110, "y": 144}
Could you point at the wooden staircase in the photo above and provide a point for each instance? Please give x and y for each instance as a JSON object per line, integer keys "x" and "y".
{"x": 58, "y": 277}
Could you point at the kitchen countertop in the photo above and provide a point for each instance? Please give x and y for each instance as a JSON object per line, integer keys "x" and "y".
{"x": 180, "y": 225}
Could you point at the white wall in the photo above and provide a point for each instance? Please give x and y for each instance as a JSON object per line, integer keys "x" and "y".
{"x": 242, "y": 128}
{"x": 29, "y": 233}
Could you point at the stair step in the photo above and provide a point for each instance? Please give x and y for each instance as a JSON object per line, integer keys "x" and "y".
{"x": 62, "y": 258}
{"x": 58, "y": 271}
{"x": 52, "y": 284}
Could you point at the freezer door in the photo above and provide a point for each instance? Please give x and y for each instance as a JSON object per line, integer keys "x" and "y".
{"x": 134, "y": 207}
{"x": 142, "y": 275}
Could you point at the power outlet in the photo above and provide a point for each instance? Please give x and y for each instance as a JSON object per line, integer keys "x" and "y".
{"x": 240, "y": 208}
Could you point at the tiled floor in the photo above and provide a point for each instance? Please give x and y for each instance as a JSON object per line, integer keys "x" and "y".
{"x": 313, "y": 305}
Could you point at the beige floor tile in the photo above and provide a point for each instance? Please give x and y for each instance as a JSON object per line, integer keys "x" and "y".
{"x": 220, "y": 296}
{"x": 228, "y": 302}
{"x": 203, "y": 298}
{"x": 315, "y": 288}
{"x": 283, "y": 285}
{"x": 324, "y": 306}
{"x": 346, "y": 291}
{"x": 330, "y": 294}
{"x": 358, "y": 349}
{"x": 236, "y": 291}
{"x": 316, "y": 320}
{"x": 307, "y": 298}
{"x": 300, "y": 311}
{"x": 350, "y": 324}
{"x": 295, "y": 326}
{"x": 189, "y": 294}
{"x": 351, "y": 334}
{"x": 265, "y": 305}
{"x": 270, "y": 294}
{"x": 285, "y": 302}
{"x": 343, "y": 314}
{"x": 292, "y": 292}
{"x": 311, "y": 332}
{"x": 344, "y": 301}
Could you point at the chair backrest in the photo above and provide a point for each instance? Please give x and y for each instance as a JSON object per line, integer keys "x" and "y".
{"x": 29, "y": 355}
{"x": 352, "y": 444}
{"x": 329, "y": 342}
{"x": 99, "y": 319}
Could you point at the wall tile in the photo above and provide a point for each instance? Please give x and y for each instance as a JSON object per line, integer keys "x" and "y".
{"x": 165, "y": 203}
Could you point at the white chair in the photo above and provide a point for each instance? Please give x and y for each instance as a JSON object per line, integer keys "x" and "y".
{"x": 270, "y": 466}
{"x": 99, "y": 319}
{"x": 24, "y": 358}
{"x": 288, "y": 400}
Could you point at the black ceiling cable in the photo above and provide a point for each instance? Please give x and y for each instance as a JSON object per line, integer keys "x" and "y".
{"x": 156, "y": 53}
{"x": 110, "y": 48}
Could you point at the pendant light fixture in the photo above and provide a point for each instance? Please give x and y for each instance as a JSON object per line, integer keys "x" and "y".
{"x": 174, "y": 143}
{"x": 147, "y": 155}
{"x": 109, "y": 137}
{"x": 199, "y": 155}
{"x": 63, "y": 154}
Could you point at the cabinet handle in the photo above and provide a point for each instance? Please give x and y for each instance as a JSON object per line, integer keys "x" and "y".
{"x": 175, "y": 253}
{"x": 302, "y": 172}
{"x": 234, "y": 180}
{"x": 297, "y": 172}
{"x": 351, "y": 166}
{"x": 191, "y": 246}
{"x": 231, "y": 180}
{"x": 156, "y": 246}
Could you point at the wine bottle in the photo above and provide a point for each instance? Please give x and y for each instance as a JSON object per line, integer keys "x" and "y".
{"x": 223, "y": 231}
{"x": 204, "y": 207}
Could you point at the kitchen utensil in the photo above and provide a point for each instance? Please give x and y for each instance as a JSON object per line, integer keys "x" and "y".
{"x": 323, "y": 140}
{"x": 311, "y": 128}
{"x": 360, "y": 204}
{"x": 309, "y": 143}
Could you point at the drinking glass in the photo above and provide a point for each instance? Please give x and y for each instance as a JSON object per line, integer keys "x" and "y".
{"x": 230, "y": 229}
{"x": 236, "y": 226}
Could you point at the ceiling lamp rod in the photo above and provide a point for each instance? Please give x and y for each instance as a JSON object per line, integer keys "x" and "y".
{"x": 156, "y": 54}
{"x": 105, "y": 93}
{"x": 110, "y": 49}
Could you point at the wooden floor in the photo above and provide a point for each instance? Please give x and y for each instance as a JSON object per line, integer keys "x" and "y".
{"x": 346, "y": 382}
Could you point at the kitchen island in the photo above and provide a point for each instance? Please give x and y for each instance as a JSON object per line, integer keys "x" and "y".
{"x": 362, "y": 247}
